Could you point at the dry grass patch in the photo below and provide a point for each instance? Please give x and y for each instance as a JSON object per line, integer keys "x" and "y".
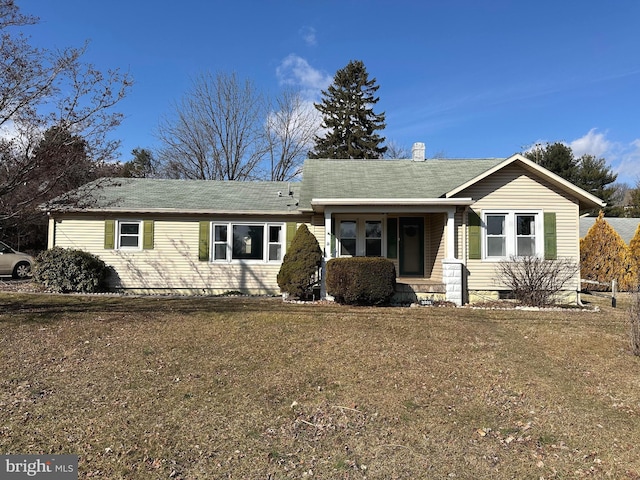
{"x": 254, "y": 388}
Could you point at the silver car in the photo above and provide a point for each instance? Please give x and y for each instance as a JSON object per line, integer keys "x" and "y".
{"x": 15, "y": 263}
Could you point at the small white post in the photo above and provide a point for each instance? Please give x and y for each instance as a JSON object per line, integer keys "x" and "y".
{"x": 614, "y": 284}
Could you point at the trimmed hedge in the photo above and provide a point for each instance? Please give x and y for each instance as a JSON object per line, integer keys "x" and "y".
{"x": 300, "y": 264}
{"x": 71, "y": 271}
{"x": 361, "y": 280}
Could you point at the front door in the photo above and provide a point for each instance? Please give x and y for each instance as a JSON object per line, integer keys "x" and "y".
{"x": 411, "y": 256}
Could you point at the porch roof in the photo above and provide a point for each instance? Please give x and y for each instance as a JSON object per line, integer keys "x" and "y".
{"x": 391, "y": 181}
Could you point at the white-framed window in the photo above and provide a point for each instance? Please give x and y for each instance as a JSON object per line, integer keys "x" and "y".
{"x": 129, "y": 234}
{"x": 247, "y": 242}
{"x": 361, "y": 237}
{"x": 275, "y": 242}
{"x": 348, "y": 238}
{"x": 220, "y": 242}
{"x": 512, "y": 233}
{"x": 373, "y": 238}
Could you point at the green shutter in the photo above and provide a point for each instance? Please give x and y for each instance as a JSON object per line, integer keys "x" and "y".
{"x": 147, "y": 235}
{"x": 550, "y": 237}
{"x": 475, "y": 250}
{"x": 203, "y": 246}
{"x": 392, "y": 238}
{"x": 292, "y": 228}
{"x": 109, "y": 234}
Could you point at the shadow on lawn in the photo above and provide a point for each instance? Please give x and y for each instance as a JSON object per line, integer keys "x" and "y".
{"x": 44, "y": 307}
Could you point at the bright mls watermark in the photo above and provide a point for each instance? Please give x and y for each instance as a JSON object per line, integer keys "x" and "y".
{"x": 50, "y": 467}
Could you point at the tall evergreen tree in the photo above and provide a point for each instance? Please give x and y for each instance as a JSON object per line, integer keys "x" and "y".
{"x": 556, "y": 157}
{"x": 587, "y": 172}
{"x": 596, "y": 177}
{"x": 348, "y": 117}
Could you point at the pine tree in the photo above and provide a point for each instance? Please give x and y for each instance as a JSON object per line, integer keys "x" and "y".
{"x": 556, "y": 157}
{"x": 596, "y": 177}
{"x": 587, "y": 172}
{"x": 604, "y": 257}
{"x": 347, "y": 114}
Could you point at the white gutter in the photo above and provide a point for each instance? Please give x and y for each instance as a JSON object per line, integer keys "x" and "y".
{"x": 396, "y": 204}
{"x": 176, "y": 211}
{"x": 390, "y": 201}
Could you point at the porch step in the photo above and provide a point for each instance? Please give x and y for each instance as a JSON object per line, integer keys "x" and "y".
{"x": 417, "y": 290}
{"x": 419, "y": 286}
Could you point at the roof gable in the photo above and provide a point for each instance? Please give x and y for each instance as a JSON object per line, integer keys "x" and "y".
{"x": 586, "y": 199}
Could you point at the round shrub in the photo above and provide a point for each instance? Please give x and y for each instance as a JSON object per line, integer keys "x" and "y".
{"x": 70, "y": 271}
{"x": 300, "y": 264}
{"x": 361, "y": 280}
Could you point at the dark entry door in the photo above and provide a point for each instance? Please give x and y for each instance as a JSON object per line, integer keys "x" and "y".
{"x": 411, "y": 257}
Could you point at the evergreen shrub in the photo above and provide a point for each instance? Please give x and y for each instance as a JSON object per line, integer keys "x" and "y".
{"x": 300, "y": 264}
{"x": 361, "y": 280}
{"x": 71, "y": 271}
{"x": 634, "y": 253}
{"x": 604, "y": 256}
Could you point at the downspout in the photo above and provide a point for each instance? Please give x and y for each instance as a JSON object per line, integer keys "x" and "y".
{"x": 51, "y": 232}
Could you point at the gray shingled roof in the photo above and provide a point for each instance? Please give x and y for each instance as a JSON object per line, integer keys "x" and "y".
{"x": 392, "y": 179}
{"x": 197, "y": 196}
{"x": 625, "y": 227}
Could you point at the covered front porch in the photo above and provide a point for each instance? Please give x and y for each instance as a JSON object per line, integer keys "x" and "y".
{"x": 419, "y": 236}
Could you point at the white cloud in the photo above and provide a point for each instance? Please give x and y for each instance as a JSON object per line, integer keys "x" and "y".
{"x": 624, "y": 158}
{"x": 593, "y": 143}
{"x": 309, "y": 36}
{"x": 296, "y": 71}
{"x": 628, "y": 167}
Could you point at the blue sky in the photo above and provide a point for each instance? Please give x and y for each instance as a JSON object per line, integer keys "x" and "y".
{"x": 469, "y": 78}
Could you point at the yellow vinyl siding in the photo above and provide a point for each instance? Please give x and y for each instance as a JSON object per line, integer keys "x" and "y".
{"x": 435, "y": 242}
{"x": 513, "y": 188}
{"x": 173, "y": 263}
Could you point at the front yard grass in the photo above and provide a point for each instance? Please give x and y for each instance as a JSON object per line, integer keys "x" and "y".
{"x": 242, "y": 387}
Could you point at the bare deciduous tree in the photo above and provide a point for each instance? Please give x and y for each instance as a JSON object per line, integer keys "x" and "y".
{"x": 290, "y": 129}
{"x": 396, "y": 151}
{"x": 41, "y": 90}
{"x": 215, "y": 131}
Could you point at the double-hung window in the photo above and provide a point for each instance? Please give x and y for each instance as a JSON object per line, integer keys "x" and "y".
{"x": 496, "y": 235}
{"x": 220, "y": 242}
{"x": 525, "y": 235}
{"x": 361, "y": 237}
{"x": 512, "y": 233}
{"x": 373, "y": 238}
{"x": 129, "y": 234}
{"x": 247, "y": 242}
{"x": 348, "y": 236}
{"x": 275, "y": 242}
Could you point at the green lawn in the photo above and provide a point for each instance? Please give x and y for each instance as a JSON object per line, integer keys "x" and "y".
{"x": 243, "y": 388}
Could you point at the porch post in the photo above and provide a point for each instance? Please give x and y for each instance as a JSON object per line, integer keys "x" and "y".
{"x": 451, "y": 234}
{"x": 328, "y": 254}
{"x": 453, "y": 277}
